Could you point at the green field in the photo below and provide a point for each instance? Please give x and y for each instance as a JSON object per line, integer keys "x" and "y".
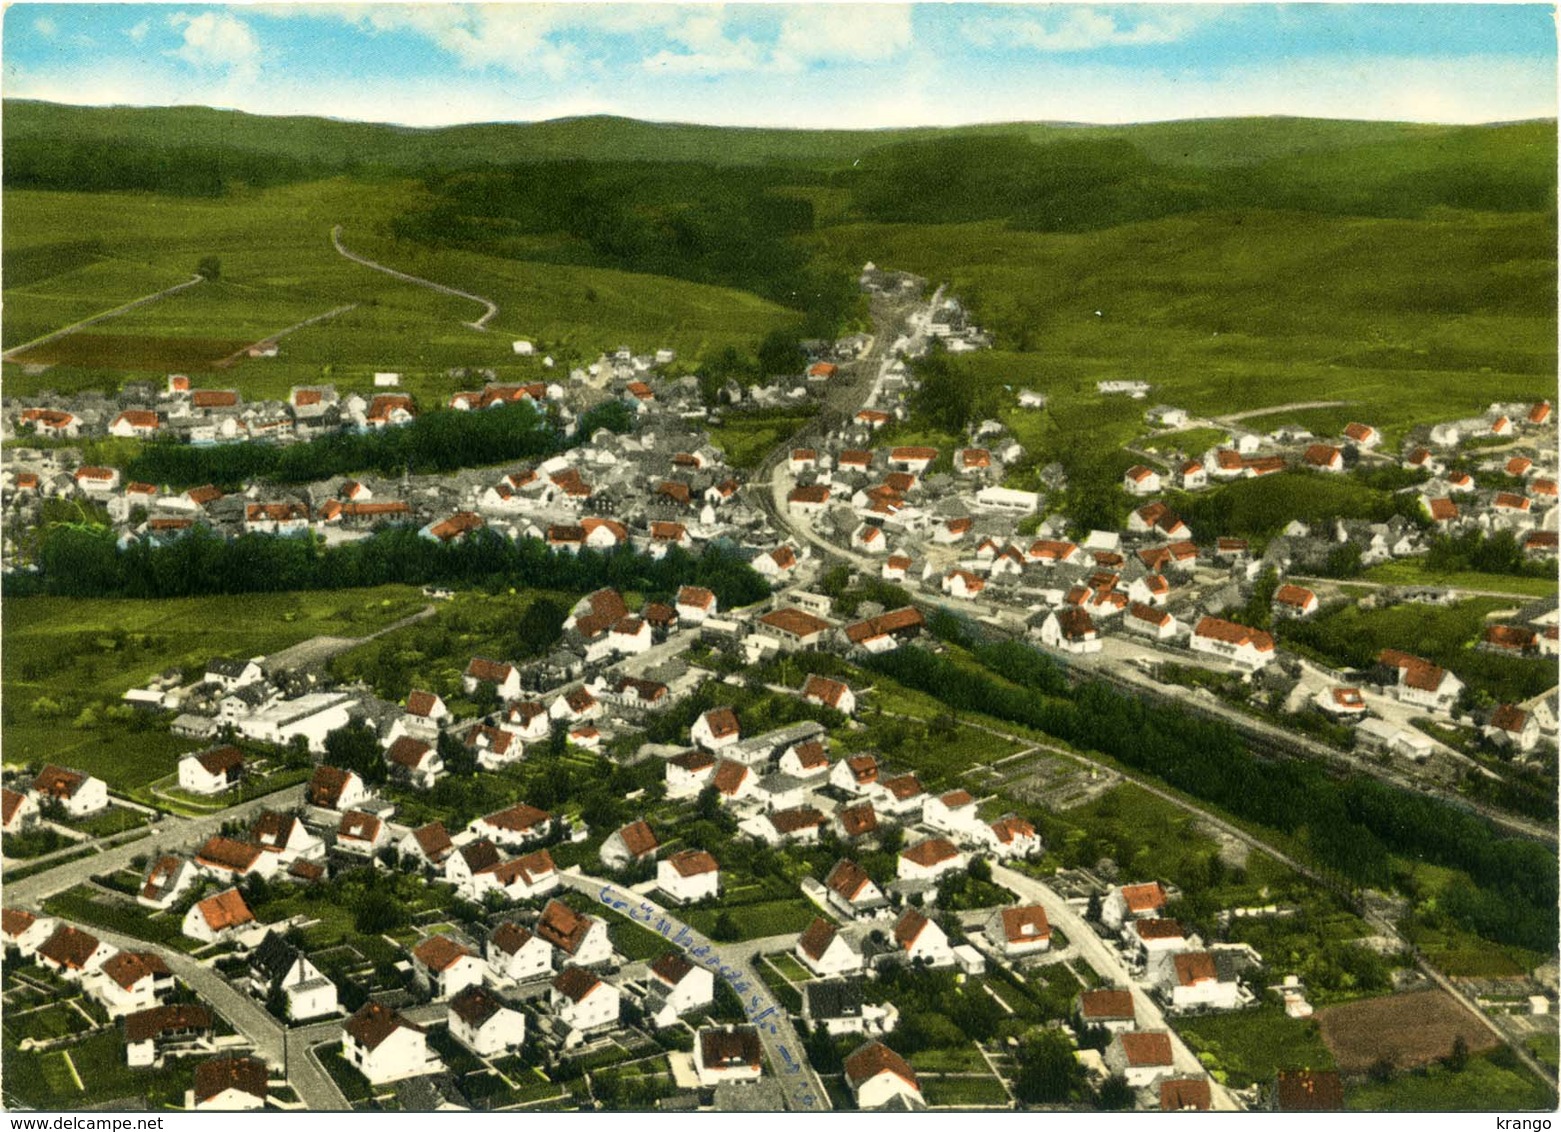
{"x": 1489, "y": 1083}
{"x": 279, "y": 268}
{"x": 1411, "y": 572}
{"x": 66, "y": 662}
{"x": 1248, "y": 1047}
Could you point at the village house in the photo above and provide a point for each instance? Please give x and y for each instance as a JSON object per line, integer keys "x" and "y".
{"x": 930, "y": 859}
{"x": 1111, "y": 1009}
{"x": 72, "y": 953}
{"x": 360, "y": 834}
{"x": 333, "y": 789}
{"x": 228, "y": 859}
{"x": 582, "y": 1001}
{"x": 825, "y": 950}
{"x": 415, "y": 762}
{"x": 285, "y": 836}
{"x": 19, "y": 810}
{"x": 1019, "y": 931}
{"x": 689, "y": 773}
{"x": 277, "y": 967}
{"x": 516, "y": 826}
{"x": 384, "y": 1046}
{"x": 676, "y": 987}
{"x": 695, "y": 604}
{"x": 211, "y": 772}
{"x": 1420, "y": 682}
{"x": 1008, "y": 837}
{"x": 1194, "y": 979}
{"x": 515, "y": 954}
{"x": 1142, "y": 1058}
{"x": 879, "y": 1078}
{"x": 728, "y": 1054}
{"x": 77, "y": 792}
{"x": 837, "y": 1007}
{"x": 1141, "y": 480}
{"x": 805, "y": 760}
{"x": 484, "y": 1024}
{"x": 578, "y": 939}
{"x": 716, "y": 729}
{"x": 921, "y": 941}
{"x": 629, "y": 845}
{"x": 851, "y": 890}
{"x": 1132, "y": 902}
{"x": 1294, "y": 601}
{"x": 446, "y": 966}
{"x": 129, "y": 981}
{"x": 25, "y": 931}
{"x": 1511, "y": 726}
{"x": 505, "y": 678}
{"x": 166, "y": 1031}
{"x": 230, "y": 1084}
{"x": 167, "y": 879}
{"x": 1243, "y": 646}
{"x": 688, "y": 876}
{"x": 218, "y": 917}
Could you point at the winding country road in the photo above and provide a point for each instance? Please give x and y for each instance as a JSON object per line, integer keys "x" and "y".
{"x": 480, "y": 324}
{"x": 124, "y": 308}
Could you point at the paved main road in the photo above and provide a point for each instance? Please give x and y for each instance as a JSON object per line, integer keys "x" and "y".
{"x": 1108, "y": 964}
{"x": 170, "y": 833}
{"x": 801, "y": 1087}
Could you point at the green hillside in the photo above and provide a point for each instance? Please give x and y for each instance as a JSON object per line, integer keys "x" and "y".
{"x": 1407, "y": 271}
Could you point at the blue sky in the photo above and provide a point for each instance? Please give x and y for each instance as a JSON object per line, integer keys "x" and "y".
{"x": 811, "y": 65}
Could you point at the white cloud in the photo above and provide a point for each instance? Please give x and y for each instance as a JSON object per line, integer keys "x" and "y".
{"x": 218, "y": 41}
{"x": 46, "y": 27}
{"x": 844, "y": 33}
{"x": 137, "y": 32}
{"x": 1082, "y": 29}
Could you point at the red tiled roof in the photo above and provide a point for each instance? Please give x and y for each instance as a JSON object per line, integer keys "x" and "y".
{"x": 1144, "y": 1049}
{"x": 875, "y": 1058}
{"x": 693, "y": 863}
{"x": 933, "y": 851}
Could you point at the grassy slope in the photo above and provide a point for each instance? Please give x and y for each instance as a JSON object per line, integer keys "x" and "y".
{"x": 279, "y": 268}
{"x": 1229, "y": 311}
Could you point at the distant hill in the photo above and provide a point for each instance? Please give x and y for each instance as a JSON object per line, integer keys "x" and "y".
{"x": 334, "y": 145}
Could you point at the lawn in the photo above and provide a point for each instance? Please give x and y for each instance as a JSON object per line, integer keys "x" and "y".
{"x": 88, "y": 906}
{"x": 963, "y": 1092}
{"x": 1250, "y": 1046}
{"x": 1413, "y": 572}
{"x": 43, "y": 1081}
{"x": 1493, "y": 1082}
{"x": 757, "y": 920}
{"x": 746, "y": 438}
{"x": 67, "y": 661}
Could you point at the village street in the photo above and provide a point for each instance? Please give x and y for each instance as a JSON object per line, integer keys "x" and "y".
{"x": 734, "y": 963}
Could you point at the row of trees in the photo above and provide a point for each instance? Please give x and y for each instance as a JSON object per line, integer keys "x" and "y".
{"x": 1349, "y": 827}
{"x": 439, "y": 441}
{"x": 86, "y": 561}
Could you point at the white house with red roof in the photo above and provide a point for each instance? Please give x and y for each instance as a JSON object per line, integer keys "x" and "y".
{"x": 19, "y": 810}
{"x": 830, "y": 693}
{"x": 674, "y": 987}
{"x": 1241, "y": 645}
{"x": 807, "y": 759}
{"x": 688, "y": 876}
{"x": 448, "y": 967}
{"x": 382, "y": 1045}
{"x": 716, "y": 729}
{"x": 930, "y": 859}
{"x": 1291, "y": 600}
{"x": 879, "y": 1077}
{"x": 695, "y": 604}
{"x": 80, "y": 793}
{"x": 1422, "y": 683}
{"x": 218, "y": 917}
{"x": 1019, "y": 931}
{"x": 1131, "y": 902}
{"x": 827, "y": 951}
{"x": 689, "y": 773}
{"x": 1141, "y": 1058}
{"x": 25, "y": 930}
{"x": 484, "y": 1023}
{"x": 1009, "y": 836}
{"x": 516, "y": 954}
{"x": 1141, "y": 480}
{"x": 920, "y": 940}
{"x": 583, "y": 1001}
{"x": 954, "y": 813}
